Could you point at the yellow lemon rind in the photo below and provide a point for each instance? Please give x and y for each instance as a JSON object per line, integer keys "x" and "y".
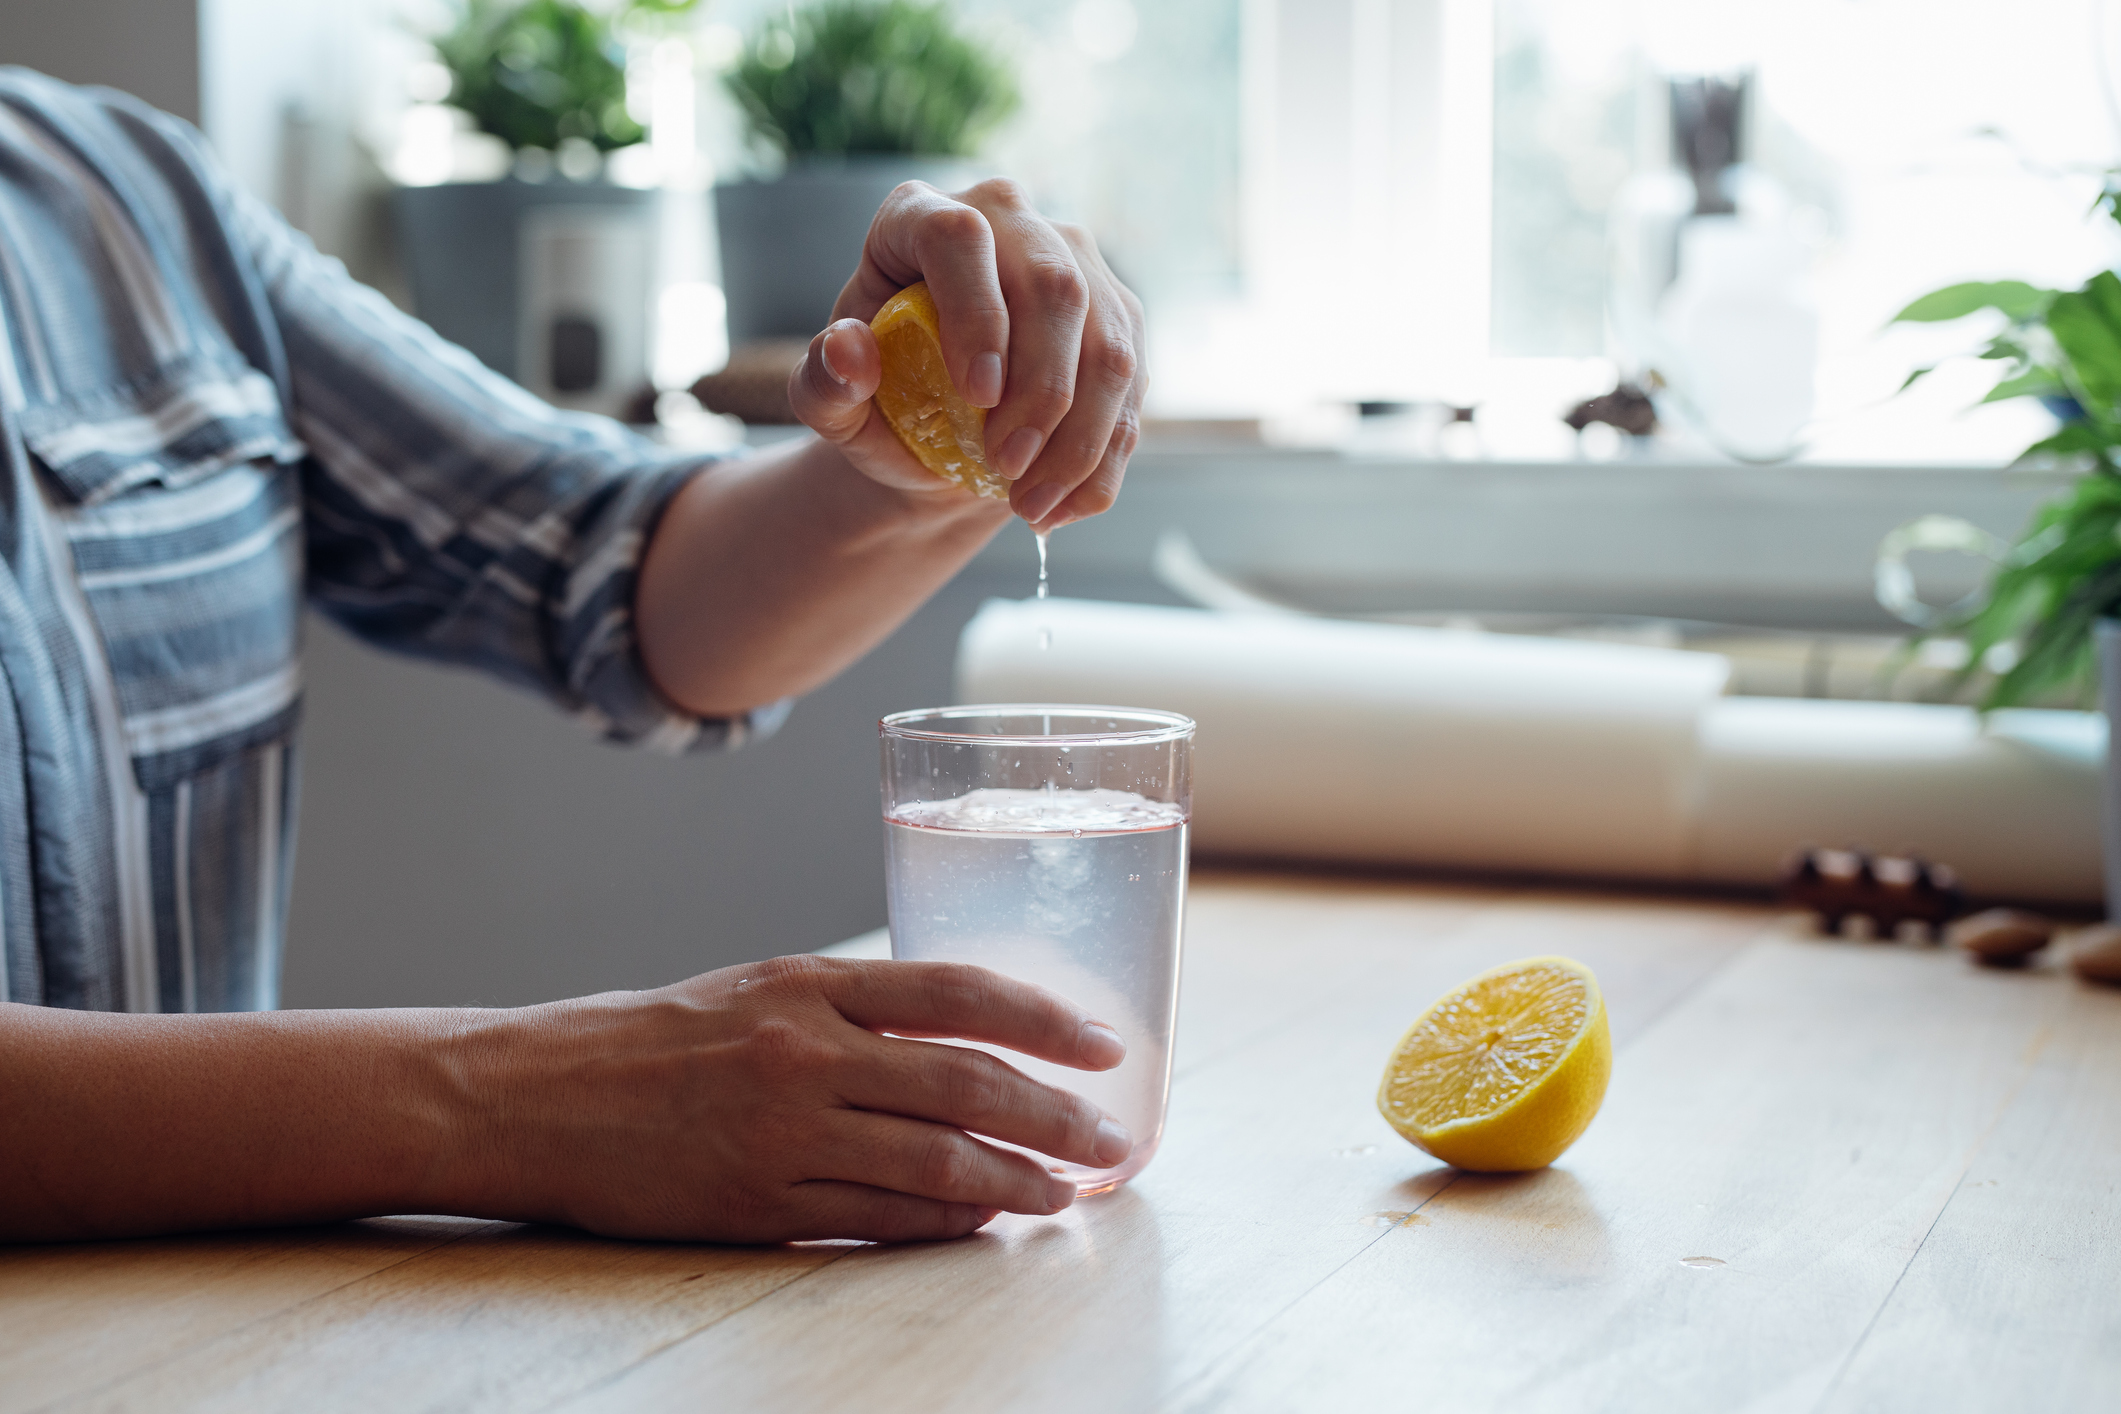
{"x": 1540, "y": 1124}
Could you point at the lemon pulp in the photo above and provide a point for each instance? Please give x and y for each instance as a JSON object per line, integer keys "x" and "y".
{"x": 944, "y": 433}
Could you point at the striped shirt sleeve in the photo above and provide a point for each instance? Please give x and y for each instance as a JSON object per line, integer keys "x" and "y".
{"x": 451, "y": 515}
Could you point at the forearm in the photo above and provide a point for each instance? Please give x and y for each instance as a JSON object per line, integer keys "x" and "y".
{"x": 117, "y": 1125}
{"x": 767, "y": 576}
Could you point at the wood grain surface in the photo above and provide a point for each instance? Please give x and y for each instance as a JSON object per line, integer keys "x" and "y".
{"x": 1828, "y": 1176}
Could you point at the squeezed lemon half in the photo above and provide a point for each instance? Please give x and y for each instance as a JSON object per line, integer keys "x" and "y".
{"x": 1504, "y": 1072}
{"x": 945, "y": 433}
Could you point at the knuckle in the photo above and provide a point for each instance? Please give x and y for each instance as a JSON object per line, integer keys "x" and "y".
{"x": 1050, "y": 400}
{"x": 1125, "y": 437}
{"x": 1116, "y": 355}
{"x": 1002, "y": 191}
{"x": 798, "y": 973}
{"x": 953, "y": 1220}
{"x": 972, "y": 1089}
{"x": 960, "y": 990}
{"x": 1096, "y": 496}
{"x": 1088, "y": 456}
{"x": 780, "y": 1047}
{"x": 1059, "y": 284}
{"x": 945, "y": 1162}
{"x": 1081, "y": 1119}
{"x": 909, "y": 194}
{"x": 956, "y": 224}
{"x": 1075, "y": 234}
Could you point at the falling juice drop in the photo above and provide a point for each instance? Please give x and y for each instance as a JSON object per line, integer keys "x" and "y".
{"x": 1045, "y": 634}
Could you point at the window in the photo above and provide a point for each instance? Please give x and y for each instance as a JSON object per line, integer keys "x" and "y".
{"x": 1917, "y": 142}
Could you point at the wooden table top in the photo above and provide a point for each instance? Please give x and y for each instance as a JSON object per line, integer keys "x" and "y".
{"x": 1828, "y": 1176}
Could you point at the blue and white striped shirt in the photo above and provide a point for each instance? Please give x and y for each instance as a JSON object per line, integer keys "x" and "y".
{"x": 201, "y": 418}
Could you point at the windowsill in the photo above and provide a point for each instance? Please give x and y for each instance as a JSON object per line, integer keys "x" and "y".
{"x": 1790, "y": 545}
{"x": 1276, "y": 444}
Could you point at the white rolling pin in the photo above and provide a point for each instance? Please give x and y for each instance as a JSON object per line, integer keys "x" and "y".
{"x": 1387, "y": 744}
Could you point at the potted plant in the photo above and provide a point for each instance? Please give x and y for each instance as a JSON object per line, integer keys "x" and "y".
{"x": 2045, "y": 624}
{"x": 852, "y": 97}
{"x": 547, "y": 272}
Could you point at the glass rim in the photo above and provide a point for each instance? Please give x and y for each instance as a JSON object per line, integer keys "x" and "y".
{"x": 1165, "y": 726}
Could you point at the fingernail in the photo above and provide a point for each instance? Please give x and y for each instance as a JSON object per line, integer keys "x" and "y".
{"x": 1039, "y": 502}
{"x": 983, "y": 381}
{"x": 1019, "y": 451}
{"x": 1113, "y": 1142}
{"x": 824, "y": 351}
{"x": 1100, "y": 1045}
{"x": 1060, "y": 1193}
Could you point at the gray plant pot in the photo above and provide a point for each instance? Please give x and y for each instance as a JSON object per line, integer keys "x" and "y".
{"x": 2107, "y": 635}
{"x": 789, "y": 244}
{"x": 464, "y": 248}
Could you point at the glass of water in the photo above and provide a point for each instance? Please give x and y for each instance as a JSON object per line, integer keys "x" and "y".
{"x": 1049, "y": 843}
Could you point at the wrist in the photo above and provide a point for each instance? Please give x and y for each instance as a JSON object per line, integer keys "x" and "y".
{"x": 467, "y": 1065}
{"x": 933, "y": 505}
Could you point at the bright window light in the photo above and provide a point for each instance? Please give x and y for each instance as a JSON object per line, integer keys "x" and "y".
{"x": 1919, "y": 142}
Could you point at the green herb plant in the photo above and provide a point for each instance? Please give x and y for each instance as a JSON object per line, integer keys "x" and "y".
{"x": 846, "y": 76}
{"x": 534, "y": 72}
{"x": 2064, "y": 573}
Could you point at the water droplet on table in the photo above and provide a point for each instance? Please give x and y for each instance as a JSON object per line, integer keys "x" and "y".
{"x": 1701, "y": 1262}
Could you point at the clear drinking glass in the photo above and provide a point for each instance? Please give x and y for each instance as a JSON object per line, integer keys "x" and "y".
{"x": 1049, "y": 843}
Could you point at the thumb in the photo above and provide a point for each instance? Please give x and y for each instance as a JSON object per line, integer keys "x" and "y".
{"x": 829, "y": 390}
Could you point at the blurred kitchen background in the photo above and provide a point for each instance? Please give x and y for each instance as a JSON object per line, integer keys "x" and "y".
{"x": 1387, "y": 248}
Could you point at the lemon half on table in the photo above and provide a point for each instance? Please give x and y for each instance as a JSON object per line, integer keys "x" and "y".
{"x": 945, "y": 433}
{"x": 1504, "y": 1072}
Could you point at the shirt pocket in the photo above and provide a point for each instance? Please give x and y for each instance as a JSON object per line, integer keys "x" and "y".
{"x": 180, "y": 500}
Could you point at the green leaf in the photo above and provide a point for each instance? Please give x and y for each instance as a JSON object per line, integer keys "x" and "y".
{"x": 2086, "y": 324}
{"x": 2086, "y": 436}
{"x": 2015, "y": 298}
{"x": 2033, "y": 383}
{"x": 534, "y": 72}
{"x": 1918, "y": 375}
{"x": 2046, "y": 596}
{"x": 840, "y": 76}
{"x": 2056, "y": 654}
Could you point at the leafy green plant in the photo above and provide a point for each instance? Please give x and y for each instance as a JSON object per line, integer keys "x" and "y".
{"x": 870, "y": 76}
{"x": 2064, "y": 573}
{"x": 533, "y": 72}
